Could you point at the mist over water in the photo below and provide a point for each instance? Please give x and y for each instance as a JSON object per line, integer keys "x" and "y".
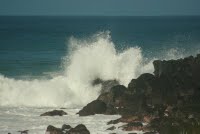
{"x": 86, "y": 59}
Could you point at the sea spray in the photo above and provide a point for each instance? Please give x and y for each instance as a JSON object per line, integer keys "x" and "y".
{"x": 86, "y": 60}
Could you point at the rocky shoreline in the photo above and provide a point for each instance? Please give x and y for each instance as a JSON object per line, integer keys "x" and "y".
{"x": 166, "y": 102}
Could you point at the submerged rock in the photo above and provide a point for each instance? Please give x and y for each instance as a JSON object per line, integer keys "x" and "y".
{"x": 54, "y": 113}
{"x": 23, "y": 132}
{"x": 111, "y": 128}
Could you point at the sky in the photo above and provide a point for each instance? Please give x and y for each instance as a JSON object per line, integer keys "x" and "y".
{"x": 100, "y": 7}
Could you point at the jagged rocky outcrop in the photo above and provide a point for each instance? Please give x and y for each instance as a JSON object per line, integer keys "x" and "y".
{"x": 168, "y": 100}
{"x": 67, "y": 129}
{"x": 54, "y": 113}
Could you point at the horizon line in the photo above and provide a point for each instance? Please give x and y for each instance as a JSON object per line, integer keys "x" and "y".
{"x": 98, "y": 15}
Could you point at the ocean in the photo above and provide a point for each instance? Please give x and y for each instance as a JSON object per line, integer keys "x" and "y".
{"x": 49, "y": 62}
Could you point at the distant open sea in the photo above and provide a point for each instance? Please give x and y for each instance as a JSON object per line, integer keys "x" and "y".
{"x": 34, "y": 46}
{"x": 50, "y": 62}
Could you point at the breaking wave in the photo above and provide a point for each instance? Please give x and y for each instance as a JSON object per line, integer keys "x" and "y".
{"x": 86, "y": 60}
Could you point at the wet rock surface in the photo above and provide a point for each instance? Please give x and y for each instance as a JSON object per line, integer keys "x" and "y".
{"x": 168, "y": 101}
{"x": 54, "y": 113}
{"x": 95, "y": 107}
{"x": 22, "y": 132}
{"x": 111, "y": 128}
{"x": 53, "y": 130}
{"x": 67, "y": 129}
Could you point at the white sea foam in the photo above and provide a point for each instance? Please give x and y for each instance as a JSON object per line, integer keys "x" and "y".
{"x": 87, "y": 59}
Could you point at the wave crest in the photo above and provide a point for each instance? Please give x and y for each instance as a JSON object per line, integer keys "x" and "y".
{"x": 86, "y": 60}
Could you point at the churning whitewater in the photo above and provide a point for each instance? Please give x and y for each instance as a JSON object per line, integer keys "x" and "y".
{"x": 86, "y": 60}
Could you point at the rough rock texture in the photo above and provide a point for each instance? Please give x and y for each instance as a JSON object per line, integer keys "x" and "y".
{"x": 169, "y": 100}
{"x": 95, "y": 107}
{"x": 80, "y": 129}
{"x": 54, "y": 113}
{"x": 53, "y": 130}
{"x": 66, "y": 129}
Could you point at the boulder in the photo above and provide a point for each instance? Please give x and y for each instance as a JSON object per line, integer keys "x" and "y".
{"x": 66, "y": 129}
{"x": 53, "y": 130}
{"x": 54, "y": 113}
{"x": 79, "y": 129}
{"x": 95, "y": 107}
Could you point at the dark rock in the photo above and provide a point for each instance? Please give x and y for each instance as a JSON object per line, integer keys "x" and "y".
{"x": 143, "y": 84}
{"x": 54, "y": 113}
{"x": 169, "y": 125}
{"x": 123, "y": 100}
{"x": 150, "y": 133}
{"x": 95, "y": 107}
{"x": 24, "y": 132}
{"x": 53, "y": 130}
{"x": 113, "y": 121}
{"x": 111, "y": 110}
{"x": 124, "y": 119}
{"x": 113, "y": 97}
{"x": 106, "y": 85}
{"x": 64, "y": 127}
{"x": 169, "y": 100}
{"x": 79, "y": 129}
{"x": 184, "y": 73}
{"x": 111, "y": 128}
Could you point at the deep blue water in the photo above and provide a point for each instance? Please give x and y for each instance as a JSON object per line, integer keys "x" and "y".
{"x": 35, "y": 45}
